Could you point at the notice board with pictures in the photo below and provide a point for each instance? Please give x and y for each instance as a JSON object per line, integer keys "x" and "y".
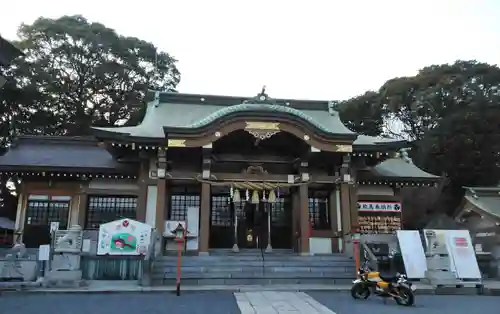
{"x": 379, "y": 217}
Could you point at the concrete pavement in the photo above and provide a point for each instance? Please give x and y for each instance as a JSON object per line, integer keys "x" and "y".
{"x": 490, "y": 288}
{"x": 250, "y": 302}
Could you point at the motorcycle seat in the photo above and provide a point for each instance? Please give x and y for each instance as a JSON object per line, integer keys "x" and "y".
{"x": 389, "y": 278}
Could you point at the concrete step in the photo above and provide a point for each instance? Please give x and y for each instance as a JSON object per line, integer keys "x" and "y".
{"x": 226, "y": 264}
{"x": 255, "y": 281}
{"x": 270, "y": 275}
{"x": 251, "y": 269}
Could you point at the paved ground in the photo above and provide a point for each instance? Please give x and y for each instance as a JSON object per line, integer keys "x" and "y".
{"x": 220, "y": 302}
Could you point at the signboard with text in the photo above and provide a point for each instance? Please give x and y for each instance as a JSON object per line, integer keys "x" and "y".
{"x": 379, "y": 217}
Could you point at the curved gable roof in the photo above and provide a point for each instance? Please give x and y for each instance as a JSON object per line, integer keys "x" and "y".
{"x": 178, "y": 115}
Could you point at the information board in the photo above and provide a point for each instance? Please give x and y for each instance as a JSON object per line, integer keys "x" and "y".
{"x": 412, "y": 250}
{"x": 379, "y": 217}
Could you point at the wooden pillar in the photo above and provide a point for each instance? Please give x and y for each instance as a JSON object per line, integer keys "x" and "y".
{"x": 161, "y": 198}
{"x": 296, "y": 219}
{"x": 205, "y": 202}
{"x": 353, "y": 199}
{"x": 143, "y": 190}
{"x": 82, "y": 208}
{"x": 304, "y": 219}
{"x": 345, "y": 203}
{"x": 204, "y": 219}
{"x": 334, "y": 222}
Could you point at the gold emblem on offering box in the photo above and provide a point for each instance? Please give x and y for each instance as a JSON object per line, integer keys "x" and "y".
{"x": 249, "y": 236}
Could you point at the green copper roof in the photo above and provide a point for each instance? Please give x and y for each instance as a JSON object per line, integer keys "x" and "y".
{"x": 256, "y": 107}
{"x": 176, "y": 114}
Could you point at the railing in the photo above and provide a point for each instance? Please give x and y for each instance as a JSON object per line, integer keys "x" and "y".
{"x": 366, "y": 255}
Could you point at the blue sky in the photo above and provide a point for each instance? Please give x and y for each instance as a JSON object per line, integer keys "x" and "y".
{"x": 328, "y": 49}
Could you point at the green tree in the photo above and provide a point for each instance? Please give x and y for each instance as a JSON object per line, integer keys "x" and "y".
{"x": 363, "y": 114}
{"x": 87, "y": 74}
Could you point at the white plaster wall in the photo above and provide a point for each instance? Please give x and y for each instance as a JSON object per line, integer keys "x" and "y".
{"x": 152, "y": 194}
{"x": 103, "y": 184}
{"x": 375, "y": 190}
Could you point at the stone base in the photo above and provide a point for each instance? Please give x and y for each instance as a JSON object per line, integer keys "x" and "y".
{"x": 269, "y": 248}
{"x": 236, "y": 249}
{"x": 64, "y": 278}
{"x": 203, "y": 254}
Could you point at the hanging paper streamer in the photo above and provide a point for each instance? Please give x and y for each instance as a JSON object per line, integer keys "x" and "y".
{"x": 236, "y": 196}
{"x": 278, "y": 194}
{"x": 255, "y": 197}
{"x": 271, "y": 198}
{"x": 264, "y": 195}
{"x": 247, "y": 195}
{"x": 231, "y": 192}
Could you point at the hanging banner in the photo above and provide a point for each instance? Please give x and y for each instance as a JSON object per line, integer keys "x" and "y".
{"x": 124, "y": 237}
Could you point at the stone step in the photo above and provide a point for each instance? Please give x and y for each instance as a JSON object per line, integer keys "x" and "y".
{"x": 235, "y": 269}
{"x": 255, "y": 258}
{"x": 254, "y": 281}
{"x": 255, "y": 264}
{"x": 268, "y": 275}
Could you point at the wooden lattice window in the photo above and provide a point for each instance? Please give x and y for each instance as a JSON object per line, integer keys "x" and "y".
{"x": 319, "y": 213}
{"x": 44, "y": 209}
{"x": 179, "y": 205}
{"x": 104, "y": 208}
{"x": 221, "y": 215}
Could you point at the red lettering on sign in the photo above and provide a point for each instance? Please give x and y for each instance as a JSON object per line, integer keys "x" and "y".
{"x": 461, "y": 242}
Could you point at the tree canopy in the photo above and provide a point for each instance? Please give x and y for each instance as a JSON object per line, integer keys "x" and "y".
{"x": 451, "y": 112}
{"x": 75, "y": 74}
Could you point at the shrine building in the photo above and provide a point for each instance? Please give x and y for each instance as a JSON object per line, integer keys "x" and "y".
{"x": 243, "y": 172}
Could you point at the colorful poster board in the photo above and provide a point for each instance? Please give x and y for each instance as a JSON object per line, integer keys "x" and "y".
{"x": 379, "y": 217}
{"x": 124, "y": 237}
{"x": 413, "y": 253}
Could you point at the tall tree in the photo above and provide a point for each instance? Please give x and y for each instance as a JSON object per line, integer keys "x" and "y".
{"x": 86, "y": 74}
{"x": 420, "y": 102}
{"x": 363, "y": 114}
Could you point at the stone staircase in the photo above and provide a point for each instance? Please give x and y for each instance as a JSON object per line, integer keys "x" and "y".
{"x": 249, "y": 267}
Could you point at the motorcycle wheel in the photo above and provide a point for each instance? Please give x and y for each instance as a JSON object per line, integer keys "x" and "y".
{"x": 360, "y": 291}
{"x": 406, "y": 297}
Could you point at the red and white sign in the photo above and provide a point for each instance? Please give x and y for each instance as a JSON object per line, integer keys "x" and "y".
{"x": 379, "y": 207}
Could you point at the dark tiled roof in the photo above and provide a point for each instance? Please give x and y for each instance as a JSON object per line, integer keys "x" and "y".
{"x": 486, "y": 199}
{"x": 70, "y": 154}
{"x": 396, "y": 169}
{"x": 8, "y": 52}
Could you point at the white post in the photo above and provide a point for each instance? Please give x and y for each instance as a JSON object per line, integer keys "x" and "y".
{"x": 235, "y": 245}
{"x": 269, "y": 248}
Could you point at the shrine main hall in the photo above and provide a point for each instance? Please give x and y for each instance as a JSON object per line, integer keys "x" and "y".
{"x": 242, "y": 173}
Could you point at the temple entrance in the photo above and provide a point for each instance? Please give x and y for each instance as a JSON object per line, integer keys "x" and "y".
{"x": 247, "y": 224}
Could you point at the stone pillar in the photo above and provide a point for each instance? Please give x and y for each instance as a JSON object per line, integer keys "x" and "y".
{"x": 204, "y": 219}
